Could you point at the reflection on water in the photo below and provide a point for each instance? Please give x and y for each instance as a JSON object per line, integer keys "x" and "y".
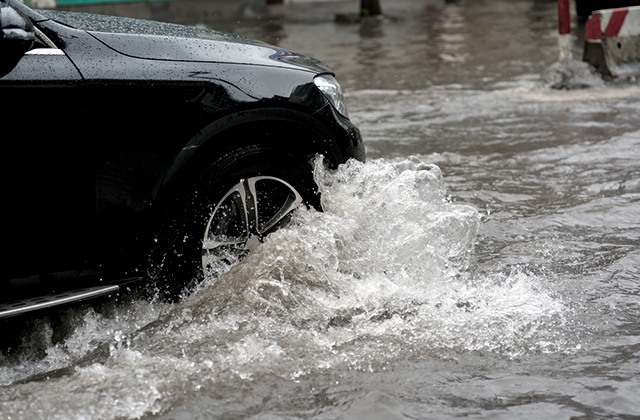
{"x": 422, "y": 43}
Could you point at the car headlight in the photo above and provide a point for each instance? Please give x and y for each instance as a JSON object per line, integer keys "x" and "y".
{"x": 331, "y": 89}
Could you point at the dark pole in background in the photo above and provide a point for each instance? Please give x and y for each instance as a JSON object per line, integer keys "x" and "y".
{"x": 370, "y": 8}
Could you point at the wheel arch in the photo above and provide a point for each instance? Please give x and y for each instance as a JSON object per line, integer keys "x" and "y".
{"x": 283, "y": 129}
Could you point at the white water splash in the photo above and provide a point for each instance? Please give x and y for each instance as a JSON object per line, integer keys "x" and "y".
{"x": 378, "y": 276}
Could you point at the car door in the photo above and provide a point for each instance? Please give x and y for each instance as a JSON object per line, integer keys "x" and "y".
{"x": 49, "y": 181}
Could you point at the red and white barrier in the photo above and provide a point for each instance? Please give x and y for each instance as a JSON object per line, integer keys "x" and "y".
{"x": 613, "y": 41}
{"x": 564, "y": 30}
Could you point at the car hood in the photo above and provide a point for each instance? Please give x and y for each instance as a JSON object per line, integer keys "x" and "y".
{"x": 170, "y": 42}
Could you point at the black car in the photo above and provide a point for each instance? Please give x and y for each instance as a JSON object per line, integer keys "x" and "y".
{"x": 145, "y": 151}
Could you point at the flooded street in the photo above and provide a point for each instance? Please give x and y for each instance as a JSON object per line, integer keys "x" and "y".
{"x": 484, "y": 263}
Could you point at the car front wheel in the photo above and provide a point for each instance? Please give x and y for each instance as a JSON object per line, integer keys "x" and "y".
{"x": 233, "y": 206}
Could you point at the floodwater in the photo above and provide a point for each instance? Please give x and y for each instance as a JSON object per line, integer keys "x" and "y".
{"x": 484, "y": 263}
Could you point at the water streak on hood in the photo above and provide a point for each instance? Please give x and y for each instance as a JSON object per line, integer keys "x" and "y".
{"x": 166, "y": 41}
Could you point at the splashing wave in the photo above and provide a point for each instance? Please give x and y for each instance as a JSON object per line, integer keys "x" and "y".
{"x": 380, "y": 275}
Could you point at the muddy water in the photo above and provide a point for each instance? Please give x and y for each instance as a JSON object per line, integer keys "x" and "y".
{"x": 484, "y": 262}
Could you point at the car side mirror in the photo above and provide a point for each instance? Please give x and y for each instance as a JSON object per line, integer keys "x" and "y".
{"x": 17, "y": 36}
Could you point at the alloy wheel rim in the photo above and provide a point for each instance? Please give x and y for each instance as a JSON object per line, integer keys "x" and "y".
{"x": 245, "y": 215}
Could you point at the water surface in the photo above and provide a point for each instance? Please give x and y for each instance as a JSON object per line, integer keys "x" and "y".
{"x": 484, "y": 263}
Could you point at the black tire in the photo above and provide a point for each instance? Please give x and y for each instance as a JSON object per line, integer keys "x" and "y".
{"x": 233, "y": 205}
